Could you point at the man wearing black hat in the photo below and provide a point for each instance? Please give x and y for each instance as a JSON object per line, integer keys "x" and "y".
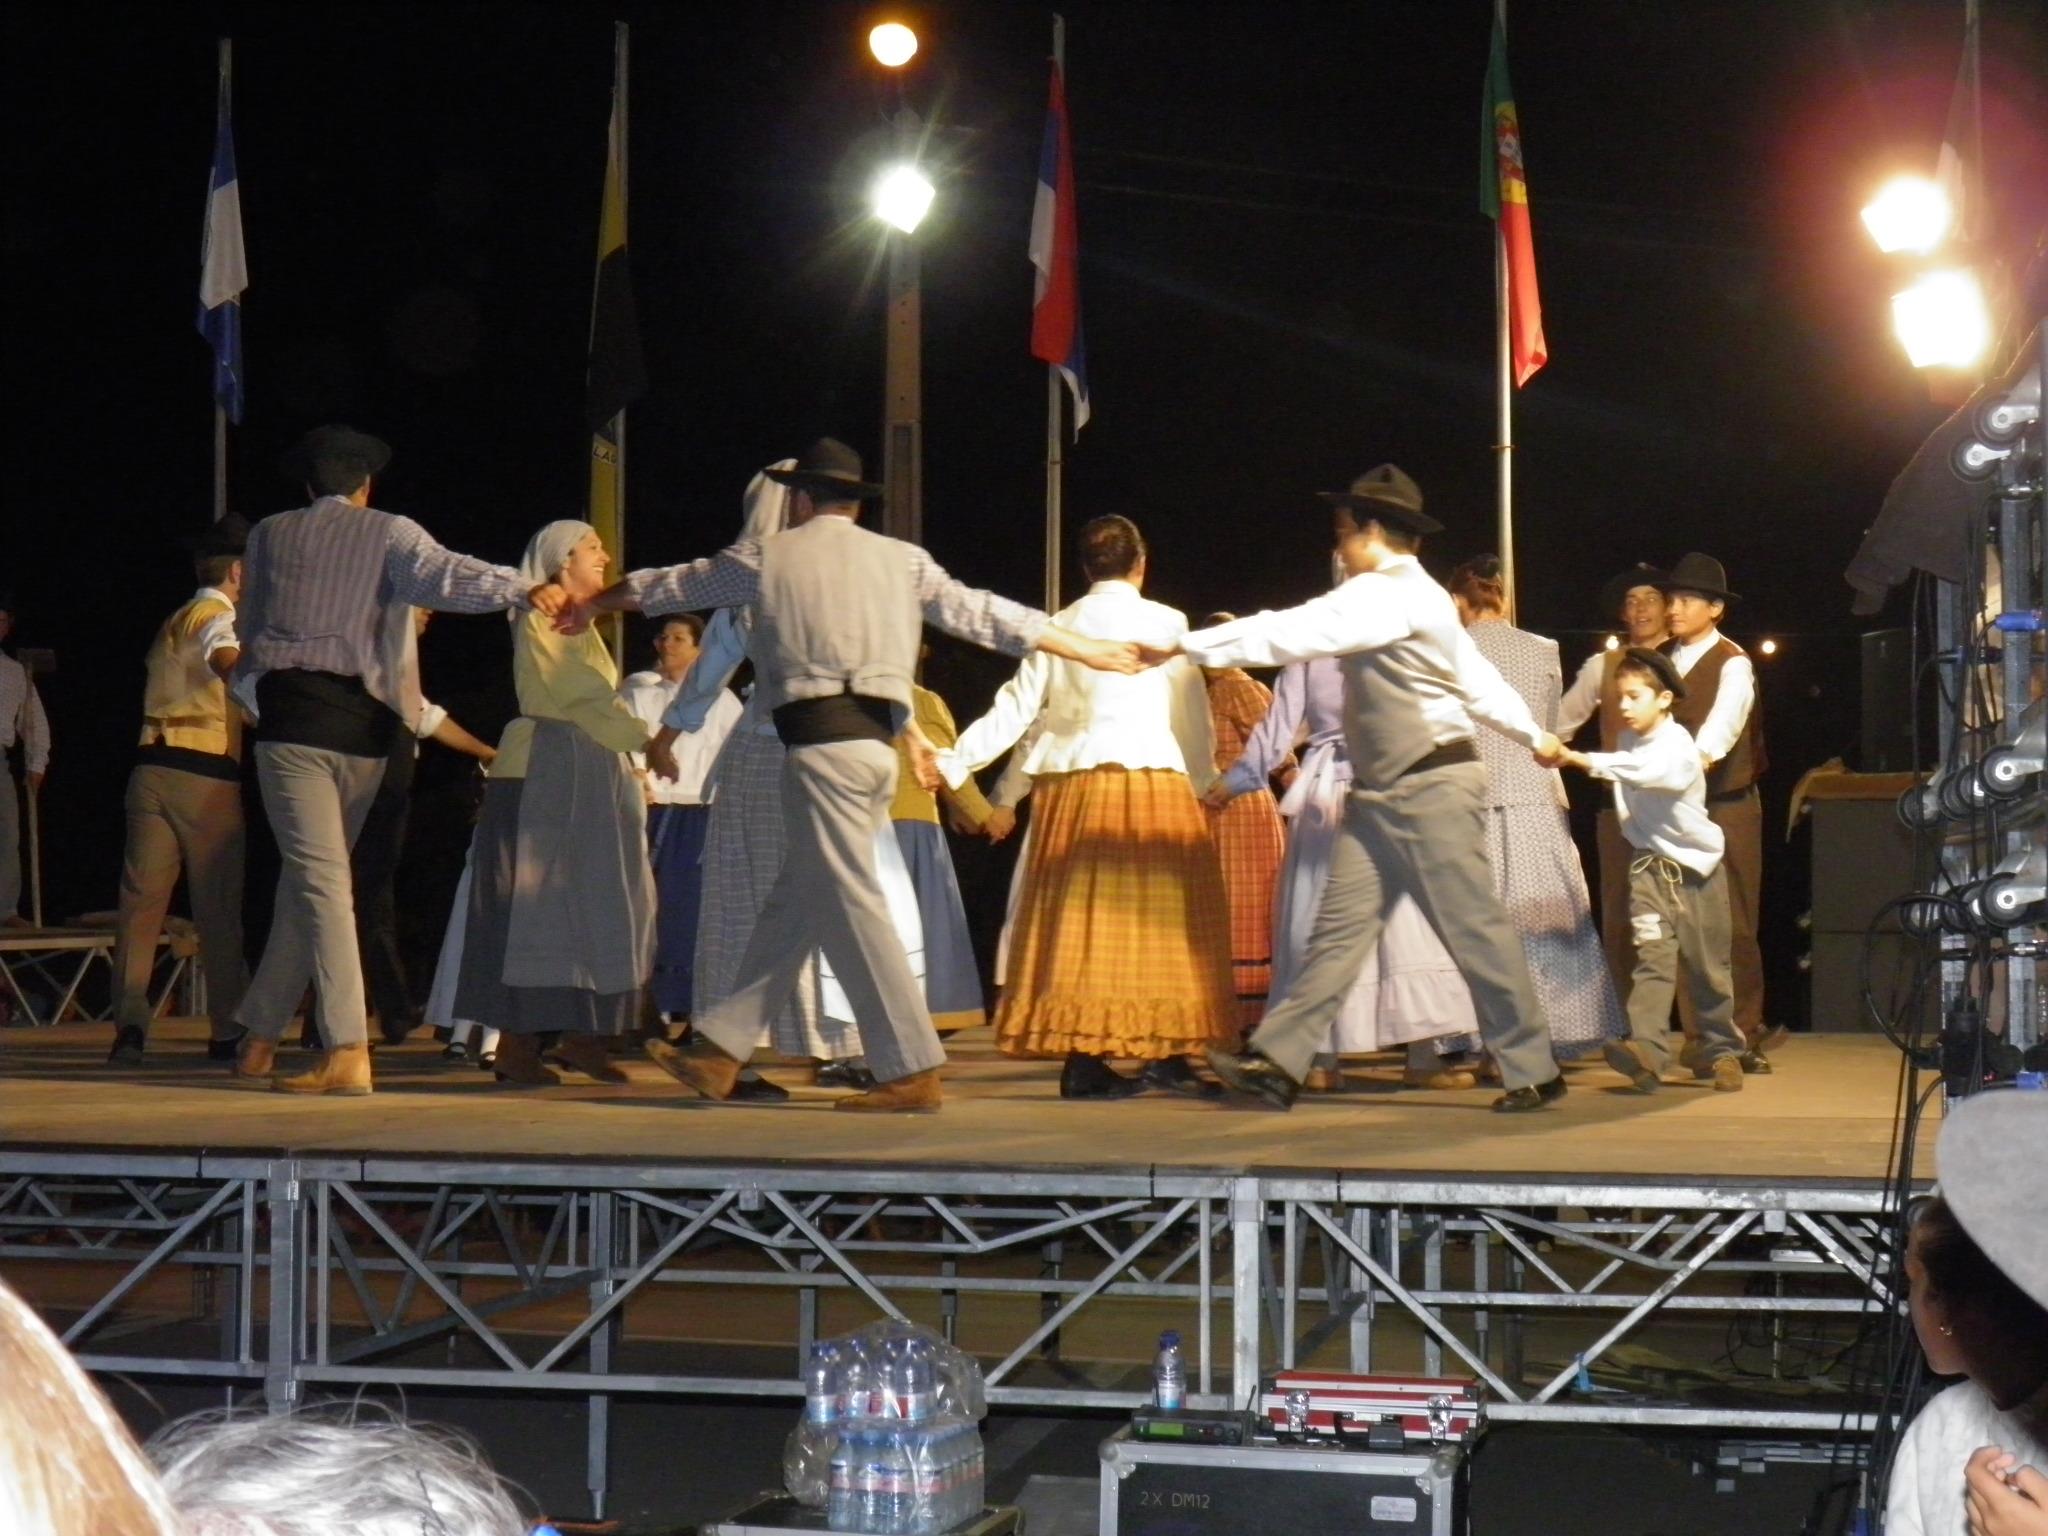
{"x": 839, "y": 614}
{"x": 184, "y": 803}
{"x": 1635, "y": 599}
{"x": 330, "y": 670}
{"x": 1414, "y": 820}
{"x": 1719, "y": 709}
{"x": 21, "y": 720}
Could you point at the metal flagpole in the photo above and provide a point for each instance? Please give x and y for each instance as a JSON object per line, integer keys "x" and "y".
{"x": 1055, "y": 447}
{"x": 220, "y": 415}
{"x": 621, "y": 57}
{"x": 1504, "y": 385}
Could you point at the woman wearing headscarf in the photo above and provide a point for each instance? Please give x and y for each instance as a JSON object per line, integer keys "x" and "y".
{"x": 560, "y": 932}
{"x": 1536, "y": 869}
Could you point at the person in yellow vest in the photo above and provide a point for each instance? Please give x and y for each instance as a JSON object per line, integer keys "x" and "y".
{"x": 1636, "y": 598}
{"x": 184, "y": 803}
{"x": 952, "y": 979}
{"x": 1720, "y": 711}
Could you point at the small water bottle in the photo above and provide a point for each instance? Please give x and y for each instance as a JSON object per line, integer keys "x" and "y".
{"x": 1169, "y": 1374}
{"x": 914, "y": 1385}
{"x": 894, "y": 1501}
{"x": 841, "y": 1511}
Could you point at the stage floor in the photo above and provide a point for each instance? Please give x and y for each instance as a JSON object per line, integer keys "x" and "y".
{"x": 1826, "y": 1116}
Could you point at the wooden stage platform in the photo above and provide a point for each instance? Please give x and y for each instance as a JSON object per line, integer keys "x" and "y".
{"x": 1824, "y": 1118}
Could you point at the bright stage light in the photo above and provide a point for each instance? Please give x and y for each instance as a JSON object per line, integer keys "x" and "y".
{"x": 892, "y": 44}
{"x": 1769, "y": 647}
{"x": 1910, "y": 213}
{"x": 1613, "y": 643}
{"x": 1942, "y": 320}
{"x": 902, "y": 197}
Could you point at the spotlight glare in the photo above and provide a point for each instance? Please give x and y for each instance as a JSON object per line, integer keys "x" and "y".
{"x": 1942, "y": 320}
{"x": 892, "y": 44}
{"x": 1910, "y": 213}
{"x": 1613, "y": 643}
{"x": 1769, "y": 647}
{"x": 902, "y": 197}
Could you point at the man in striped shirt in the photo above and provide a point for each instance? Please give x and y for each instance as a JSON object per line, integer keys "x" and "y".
{"x": 329, "y": 670}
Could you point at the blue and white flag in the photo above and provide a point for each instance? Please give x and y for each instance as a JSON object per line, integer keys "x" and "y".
{"x": 223, "y": 271}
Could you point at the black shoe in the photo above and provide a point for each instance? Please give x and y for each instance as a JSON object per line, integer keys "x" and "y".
{"x": 226, "y": 1050}
{"x": 309, "y": 1035}
{"x": 1253, "y": 1076}
{"x": 1517, "y": 1101}
{"x": 1755, "y": 1063}
{"x": 396, "y": 1029}
{"x": 757, "y": 1090}
{"x": 1770, "y": 1038}
{"x": 1174, "y": 1075}
{"x": 843, "y": 1074}
{"x": 127, "y": 1051}
{"x": 1090, "y": 1077}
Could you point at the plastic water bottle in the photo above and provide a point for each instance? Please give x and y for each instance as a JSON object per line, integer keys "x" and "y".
{"x": 842, "y": 1511}
{"x": 895, "y": 1501}
{"x": 1169, "y": 1374}
{"x": 913, "y": 1385}
{"x": 869, "y": 1475}
{"x": 806, "y": 1457}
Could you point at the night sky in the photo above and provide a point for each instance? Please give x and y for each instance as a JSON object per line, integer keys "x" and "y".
{"x": 1285, "y": 279}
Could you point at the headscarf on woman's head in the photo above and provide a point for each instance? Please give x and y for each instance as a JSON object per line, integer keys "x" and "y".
{"x": 766, "y": 503}
{"x": 547, "y": 552}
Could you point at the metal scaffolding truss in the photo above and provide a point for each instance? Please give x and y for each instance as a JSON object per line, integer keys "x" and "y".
{"x": 313, "y": 1271}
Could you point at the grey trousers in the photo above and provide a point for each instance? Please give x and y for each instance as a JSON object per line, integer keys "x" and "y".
{"x": 11, "y": 793}
{"x": 1741, "y": 820}
{"x": 316, "y": 801}
{"x": 835, "y": 800}
{"x": 189, "y": 822}
{"x": 1679, "y": 918}
{"x": 1425, "y": 836}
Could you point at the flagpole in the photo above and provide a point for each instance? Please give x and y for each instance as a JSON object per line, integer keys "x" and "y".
{"x": 1055, "y": 447}
{"x": 621, "y": 58}
{"x": 1504, "y": 389}
{"x": 220, "y": 415}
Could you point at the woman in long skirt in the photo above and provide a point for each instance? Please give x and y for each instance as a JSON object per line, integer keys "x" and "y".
{"x": 559, "y": 935}
{"x": 952, "y": 980}
{"x": 1536, "y": 868}
{"x": 1250, "y": 840}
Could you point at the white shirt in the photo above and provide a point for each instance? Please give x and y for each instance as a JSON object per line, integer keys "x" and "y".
{"x": 1926, "y": 1497}
{"x": 1660, "y": 791}
{"x": 1370, "y": 612}
{"x": 1732, "y": 702}
{"x": 22, "y": 717}
{"x": 1581, "y": 701}
{"x": 1157, "y": 719}
{"x": 648, "y": 695}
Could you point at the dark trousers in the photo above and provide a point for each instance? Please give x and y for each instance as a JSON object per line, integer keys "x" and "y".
{"x": 373, "y": 863}
{"x": 1741, "y": 820}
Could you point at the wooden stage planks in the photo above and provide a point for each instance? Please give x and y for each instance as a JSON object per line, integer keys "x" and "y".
{"x": 1825, "y": 1116}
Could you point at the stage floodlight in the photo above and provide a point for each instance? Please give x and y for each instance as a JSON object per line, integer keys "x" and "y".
{"x": 1768, "y": 647}
{"x": 892, "y": 44}
{"x": 902, "y": 197}
{"x": 1613, "y": 643}
{"x": 1909, "y": 213}
{"x": 1942, "y": 320}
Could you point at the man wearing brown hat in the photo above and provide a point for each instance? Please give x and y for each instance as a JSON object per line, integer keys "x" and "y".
{"x": 184, "y": 803}
{"x": 1414, "y": 820}
{"x": 839, "y": 612}
{"x": 1634, "y": 598}
{"x": 330, "y": 669}
{"x": 1719, "y": 710}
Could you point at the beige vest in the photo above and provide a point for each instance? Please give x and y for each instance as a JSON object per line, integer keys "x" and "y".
{"x": 184, "y": 704}
{"x": 838, "y": 614}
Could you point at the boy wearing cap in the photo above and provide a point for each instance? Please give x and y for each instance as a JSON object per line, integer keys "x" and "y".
{"x": 1678, "y": 894}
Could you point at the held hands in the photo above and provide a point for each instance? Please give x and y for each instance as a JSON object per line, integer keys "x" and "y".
{"x": 1549, "y": 752}
{"x": 661, "y": 753}
{"x": 549, "y": 600}
{"x": 1157, "y": 655}
{"x": 2004, "y": 1498}
{"x": 924, "y": 759}
{"x": 1217, "y": 795}
{"x": 1002, "y": 821}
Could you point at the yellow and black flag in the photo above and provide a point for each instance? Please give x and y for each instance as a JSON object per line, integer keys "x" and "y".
{"x": 618, "y": 372}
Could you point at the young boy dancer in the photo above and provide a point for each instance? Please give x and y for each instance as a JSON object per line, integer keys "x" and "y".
{"x": 1677, "y": 892}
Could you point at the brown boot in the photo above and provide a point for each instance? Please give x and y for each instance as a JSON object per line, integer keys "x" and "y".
{"x": 700, "y": 1066}
{"x": 586, "y": 1054}
{"x": 518, "y": 1063}
{"x": 345, "y": 1070}
{"x": 1443, "y": 1079}
{"x": 258, "y": 1059}
{"x": 1728, "y": 1075}
{"x": 917, "y": 1094}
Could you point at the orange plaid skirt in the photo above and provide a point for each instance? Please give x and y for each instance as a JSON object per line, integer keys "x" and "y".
{"x": 1121, "y": 945}
{"x": 1250, "y": 843}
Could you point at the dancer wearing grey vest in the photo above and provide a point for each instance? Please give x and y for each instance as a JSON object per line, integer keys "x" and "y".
{"x": 1414, "y": 821}
{"x": 839, "y": 614}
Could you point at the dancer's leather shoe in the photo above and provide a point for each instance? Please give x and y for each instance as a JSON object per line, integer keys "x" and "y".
{"x": 127, "y": 1051}
{"x": 1443, "y": 1079}
{"x": 344, "y": 1071}
{"x": 1090, "y": 1077}
{"x": 917, "y": 1094}
{"x": 1253, "y": 1076}
{"x": 1728, "y": 1074}
{"x": 256, "y": 1059}
{"x": 758, "y": 1090}
{"x": 1519, "y": 1101}
{"x": 843, "y": 1074}
{"x": 1755, "y": 1063}
{"x": 228, "y": 1049}
{"x": 518, "y": 1062}
{"x": 1632, "y": 1059}
{"x": 700, "y": 1066}
{"x": 1175, "y": 1075}
{"x": 586, "y": 1054}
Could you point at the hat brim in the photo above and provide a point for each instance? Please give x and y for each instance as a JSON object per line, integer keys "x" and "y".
{"x": 1616, "y": 592}
{"x": 375, "y": 453}
{"x": 1393, "y": 514}
{"x": 1994, "y": 1184}
{"x": 1668, "y": 586}
{"x": 832, "y": 485}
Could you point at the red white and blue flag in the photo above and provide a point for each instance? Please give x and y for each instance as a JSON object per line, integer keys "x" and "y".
{"x": 223, "y": 270}
{"x": 1056, "y": 253}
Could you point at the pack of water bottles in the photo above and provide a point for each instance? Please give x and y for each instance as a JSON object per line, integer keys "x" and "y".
{"x": 889, "y": 1444}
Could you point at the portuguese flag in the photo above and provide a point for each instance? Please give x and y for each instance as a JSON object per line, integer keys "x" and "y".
{"x": 617, "y": 372}
{"x": 1504, "y": 198}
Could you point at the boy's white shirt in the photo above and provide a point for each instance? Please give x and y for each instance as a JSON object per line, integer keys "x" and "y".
{"x": 1660, "y": 791}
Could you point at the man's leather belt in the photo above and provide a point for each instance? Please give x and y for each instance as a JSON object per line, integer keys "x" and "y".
{"x": 1445, "y": 756}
